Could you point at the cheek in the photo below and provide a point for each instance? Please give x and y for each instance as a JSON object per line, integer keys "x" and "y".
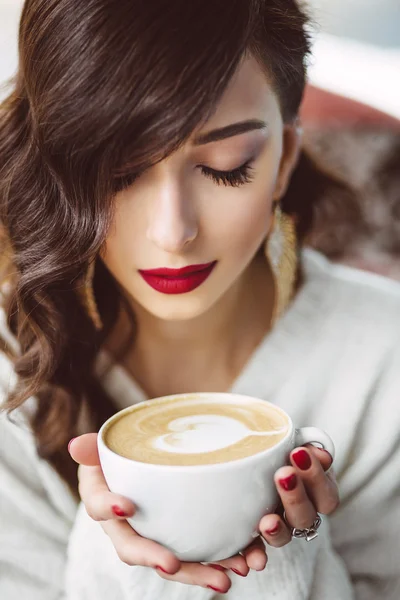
{"x": 245, "y": 213}
{"x": 124, "y": 243}
{"x": 243, "y": 221}
{"x": 118, "y": 252}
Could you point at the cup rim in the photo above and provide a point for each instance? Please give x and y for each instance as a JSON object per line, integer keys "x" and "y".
{"x": 202, "y": 467}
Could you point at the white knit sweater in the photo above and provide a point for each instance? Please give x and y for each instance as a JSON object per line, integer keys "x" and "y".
{"x": 333, "y": 361}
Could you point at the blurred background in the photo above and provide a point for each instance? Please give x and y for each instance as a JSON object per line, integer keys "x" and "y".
{"x": 356, "y": 50}
{"x": 372, "y": 21}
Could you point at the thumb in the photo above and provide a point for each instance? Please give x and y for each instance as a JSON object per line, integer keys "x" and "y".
{"x": 83, "y": 449}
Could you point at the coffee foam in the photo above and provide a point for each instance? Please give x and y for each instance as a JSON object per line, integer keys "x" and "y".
{"x": 193, "y": 431}
{"x": 205, "y": 433}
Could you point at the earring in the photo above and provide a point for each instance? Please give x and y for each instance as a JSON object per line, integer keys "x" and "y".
{"x": 282, "y": 254}
{"x": 88, "y": 299}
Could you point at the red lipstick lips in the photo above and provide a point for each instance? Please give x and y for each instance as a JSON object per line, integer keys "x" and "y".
{"x": 178, "y": 281}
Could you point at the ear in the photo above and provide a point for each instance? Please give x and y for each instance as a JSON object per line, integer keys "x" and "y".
{"x": 292, "y": 140}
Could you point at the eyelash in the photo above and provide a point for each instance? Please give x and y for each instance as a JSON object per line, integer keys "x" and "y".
{"x": 234, "y": 178}
{"x": 122, "y": 183}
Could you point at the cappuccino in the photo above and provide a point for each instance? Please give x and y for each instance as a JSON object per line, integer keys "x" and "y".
{"x": 195, "y": 430}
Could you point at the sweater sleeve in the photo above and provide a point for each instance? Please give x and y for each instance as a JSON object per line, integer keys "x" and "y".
{"x": 366, "y": 528}
{"x": 36, "y": 512}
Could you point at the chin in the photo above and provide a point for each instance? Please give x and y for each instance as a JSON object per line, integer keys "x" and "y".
{"x": 182, "y": 307}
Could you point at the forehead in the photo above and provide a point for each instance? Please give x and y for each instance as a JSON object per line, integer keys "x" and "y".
{"x": 248, "y": 94}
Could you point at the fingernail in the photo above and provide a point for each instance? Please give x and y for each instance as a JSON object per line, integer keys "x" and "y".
{"x": 211, "y": 587}
{"x": 238, "y": 573}
{"x": 302, "y": 459}
{"x": 70, "y": 442}
{"x": 288, "y": 483}
{"x": 118, "y": 511}
{"x": 218, "y": 567}
{"x": 273, "y": 530}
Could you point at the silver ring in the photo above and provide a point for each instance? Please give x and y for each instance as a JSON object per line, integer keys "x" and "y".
{"x": 308, "y": 534}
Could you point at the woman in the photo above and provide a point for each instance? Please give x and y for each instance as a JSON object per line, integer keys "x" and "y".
{"x": 165, "y": 135}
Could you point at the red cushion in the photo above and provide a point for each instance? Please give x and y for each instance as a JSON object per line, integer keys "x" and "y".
{"x": 321, "y": 107}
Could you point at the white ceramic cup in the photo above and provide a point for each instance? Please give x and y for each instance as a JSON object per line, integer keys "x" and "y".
{"x": 204, "y": 513}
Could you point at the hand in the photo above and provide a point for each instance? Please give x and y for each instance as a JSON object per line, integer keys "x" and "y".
{"x": 111, "y": 510}
{"x": 304, "y": 489}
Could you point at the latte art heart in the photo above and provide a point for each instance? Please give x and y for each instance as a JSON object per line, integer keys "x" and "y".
{"x": 195, "y": 430}
{"x": 205, "y": 433}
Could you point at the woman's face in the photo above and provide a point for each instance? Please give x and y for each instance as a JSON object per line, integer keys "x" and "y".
{"x": 181, "y": 213}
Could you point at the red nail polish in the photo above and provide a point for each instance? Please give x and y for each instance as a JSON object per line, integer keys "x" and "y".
{"x": 273, "y": 530}
{"x": 211, "y": 587}
{"x": 238, "y": 572}
{"x": 118, "y": 511}
{"x": 302, "y": 459}
{"x": 218, "y": 567}
{"x": 288, "y": 483}
{"x": 70, "y": 442}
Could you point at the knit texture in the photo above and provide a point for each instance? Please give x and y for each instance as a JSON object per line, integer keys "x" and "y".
{"x": 332, "y": 361}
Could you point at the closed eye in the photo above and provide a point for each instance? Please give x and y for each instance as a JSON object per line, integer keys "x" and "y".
{"x": 234, "y": 178}
{"x": 125, "y": 181}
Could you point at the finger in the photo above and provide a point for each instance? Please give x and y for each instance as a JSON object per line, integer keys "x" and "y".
{"x": 255, "y": 555}
{"x": 322, "y": 455}
{"x": 332, "y": 476}
{"x": 132, "y": 549}
{"x": 83, "y": 449}
{"x": 321, "y": 490}
{"x": 326, "y": 461}
{"x": 206, "y": 576}
{"x": 237, "y": 564}
{"x": 275, "y": 531}
{"x": 100, "y": 503}
{"x": 300, "y": 512}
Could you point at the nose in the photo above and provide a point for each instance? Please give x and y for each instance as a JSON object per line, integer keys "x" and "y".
{"x": 172, "y": 222}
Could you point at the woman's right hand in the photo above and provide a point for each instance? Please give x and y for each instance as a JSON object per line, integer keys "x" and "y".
{"x": 111, "y": 510}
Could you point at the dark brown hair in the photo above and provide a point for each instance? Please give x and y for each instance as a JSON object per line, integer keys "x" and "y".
{"x": 105, "y": 89}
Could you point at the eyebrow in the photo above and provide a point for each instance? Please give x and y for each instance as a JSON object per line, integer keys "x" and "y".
{"x": 229, "y": 131}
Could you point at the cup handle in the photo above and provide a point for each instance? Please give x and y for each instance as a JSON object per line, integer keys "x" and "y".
{"x": 313, "y": 435}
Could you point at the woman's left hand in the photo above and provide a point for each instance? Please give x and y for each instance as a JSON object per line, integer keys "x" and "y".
{"x": 305, "y": 490}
